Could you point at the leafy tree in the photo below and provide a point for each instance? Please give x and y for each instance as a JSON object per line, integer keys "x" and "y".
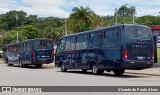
{"x": 108, "y": 20}
{"x": 125, "y": 14}
{"x": 30, "y": 31}
{"x": 11, "y": 37}
{"x": 12, "y": 19}
{"x": 125, "y": 11}
{"x": 53, "y": 33}
{"x": 41, "y": 23}
{"x": 30, "y": 19}
{"x": 148, "y": 20}
{"x": 80, "y": 19}
{"x": 24, "y": 32}
{"x": 98, "y": 22}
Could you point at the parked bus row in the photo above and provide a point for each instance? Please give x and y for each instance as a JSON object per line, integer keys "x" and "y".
{"x": 113, "y": 48}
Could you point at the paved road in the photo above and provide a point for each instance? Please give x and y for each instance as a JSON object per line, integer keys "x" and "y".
{"x": 50, "y": 76}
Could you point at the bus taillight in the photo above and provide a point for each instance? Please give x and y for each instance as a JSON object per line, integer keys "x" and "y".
{"x": 125, "y": 54}
{"x": 52, "y": 54}
{"x": 153, "y": 55}
{"x": 33, "y": 54}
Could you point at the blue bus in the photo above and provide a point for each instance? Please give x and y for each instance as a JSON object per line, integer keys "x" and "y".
{"x": 29, "y": 52}
{"x": 114, "y": 48}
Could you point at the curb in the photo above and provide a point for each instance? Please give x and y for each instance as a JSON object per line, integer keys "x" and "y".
{"x": 156, "y": 65}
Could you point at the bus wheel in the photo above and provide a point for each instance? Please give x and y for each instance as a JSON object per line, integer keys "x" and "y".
{"x": 101, "y": 71}
{"x": 95, "y": 70}
{"x": 38, "y": 65}
{"x": 7, "y": 60}
{"x": 63, "y": 69}
{"x": 118, "y": 72}
{"x": 84, "y": 70}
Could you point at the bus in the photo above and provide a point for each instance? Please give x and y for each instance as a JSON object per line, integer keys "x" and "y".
{"x": 114, "y": 48}
{"x": 29, "y": 52}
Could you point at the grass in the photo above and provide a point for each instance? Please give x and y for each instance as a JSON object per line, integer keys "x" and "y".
{"x": 158, "y": 55}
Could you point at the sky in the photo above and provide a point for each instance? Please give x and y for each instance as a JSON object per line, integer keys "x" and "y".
{"x": 63, "y": 8}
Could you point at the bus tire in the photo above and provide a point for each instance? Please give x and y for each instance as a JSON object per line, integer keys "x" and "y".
{"x": 101, "y": 71}
{"x": 63, "y": 69}
{"x": 38, "y": 65}
{"x": 7, "y": 60}
{"x": 118, "y": 72}
{"x": 95, "y": 70}
{"x": 25, "y": 65}
{"x": 84, "y": 70}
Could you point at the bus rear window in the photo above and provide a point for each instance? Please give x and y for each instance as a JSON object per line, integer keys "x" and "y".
{"x": 138, "y": 32}
{"x": 43, "y": 44}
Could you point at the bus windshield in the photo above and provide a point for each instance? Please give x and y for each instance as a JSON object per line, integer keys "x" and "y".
{"x": 43, "y": 44}
{"x": 138, "y": 32}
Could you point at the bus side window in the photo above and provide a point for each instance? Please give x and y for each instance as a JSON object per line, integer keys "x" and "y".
{"x": 23, "y": 46}
{"x": 19, "y": 47}
{"x": 111, "y": 38}
{"x": 94, "y": 40}
{"x": 72, "y": 43}
{"x": 82, "y": 42}
{"x": 68, "y": 43}
{"x": 29, "y": 46}
{"x": 101, "y": 37}
{"x": 61, "y": 45}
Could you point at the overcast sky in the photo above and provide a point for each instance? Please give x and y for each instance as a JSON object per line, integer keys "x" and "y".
{"x": 62, "y": 8}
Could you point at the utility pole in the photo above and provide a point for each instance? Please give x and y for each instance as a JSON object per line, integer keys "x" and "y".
{"x": 17, "y": 37}
{"x": 133, "y": 18}
{"x": 16, "y": 25}
{"x": 116, "y": 16}
{"x": 65, "y": 26}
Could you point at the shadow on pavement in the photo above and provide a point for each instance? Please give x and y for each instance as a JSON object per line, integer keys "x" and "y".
{"x": 33, "y": 67}
{"x": 143, "y": 74}
{"x": 106, "y": 74}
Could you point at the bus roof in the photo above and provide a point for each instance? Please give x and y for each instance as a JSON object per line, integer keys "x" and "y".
{"x": 107, "y": 27}
{"x": 27, "y": 40}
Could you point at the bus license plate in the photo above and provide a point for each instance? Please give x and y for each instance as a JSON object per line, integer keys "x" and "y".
{"x": 43, "y": 59}
{"x": 140, "y": 58}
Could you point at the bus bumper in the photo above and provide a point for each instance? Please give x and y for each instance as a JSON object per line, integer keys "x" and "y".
{"x": 42, "y": 61}
{"x": 126, "y": 64}
{"x": 129, "y": 64}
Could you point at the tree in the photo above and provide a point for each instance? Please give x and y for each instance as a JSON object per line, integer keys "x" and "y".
{"x": 10, "y": 36}
{"x": 108, "y": 20}
{"x": 24, "y": 32}
{"x": 125, "y": 14}
{"x": 53, "y": 33}
{"x": 12, "y": 19}
{"x": 125, "y": 11}
{"x": 42, "y": 23}
{"x": 30, "y": 19}
{"x": 80, "y": 19}
{"x": 149, "y": 20}
{"x": 30, "y": 31}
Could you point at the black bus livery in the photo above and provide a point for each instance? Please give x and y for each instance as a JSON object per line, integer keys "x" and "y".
{"x": 29, "y": 52}
{"x": 114, "y": 48}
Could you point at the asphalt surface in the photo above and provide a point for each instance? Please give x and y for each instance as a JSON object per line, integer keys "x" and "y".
{"x": 49, "y": 75}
